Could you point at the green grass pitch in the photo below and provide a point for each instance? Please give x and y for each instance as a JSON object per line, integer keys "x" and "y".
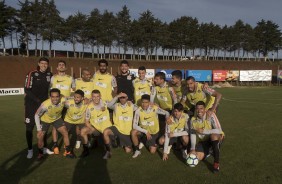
{"x": 251, "y": 153}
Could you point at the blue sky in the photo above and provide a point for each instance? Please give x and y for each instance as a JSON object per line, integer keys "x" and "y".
{"x": 218, "y": 11}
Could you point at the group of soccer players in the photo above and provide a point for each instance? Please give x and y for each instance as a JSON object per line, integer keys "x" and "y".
{"x": 136, "y": 111}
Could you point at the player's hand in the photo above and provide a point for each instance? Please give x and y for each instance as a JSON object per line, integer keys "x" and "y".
{"x": 170, "y": 135}
{"x": 86, "y": 101}
{"x": 209, "y": 112}
{"x": 200, "y": 130}
{"x": 148, "y": 135}
{"x": 121, "y": 94}
{"x": 193, "y": 152}
{"x": 165, "y": 157}
{"x": 168, "y": 121}
{"x": 103, "y": 108}
{"x": 151, "y": 104}
{"x": 205, "y": 86}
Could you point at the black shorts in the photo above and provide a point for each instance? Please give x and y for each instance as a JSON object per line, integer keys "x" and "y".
{"x": 204, "y": 147}
{"x": 71, "y": 126}
{"x": 57, "y": 124}
{"x": 152, "y": 142}
{"x": 124, "y": 140}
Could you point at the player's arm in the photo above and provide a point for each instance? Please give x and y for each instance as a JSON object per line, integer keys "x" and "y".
{"x": 172, "y": 95}
{"x": 153, "y": 94}
{"x": 167, "y": 137}
{"x": 40, "y": 111}
{"x": 183, "y": 99}
{"x": 28, "y": 86}
{"x": 51, "y": 82}
{"x": 73, "y": 84}
{"x": 216, "y": 128}
{"x": 215, "y": 94}
{"x": 114, "y": 84}
{"x": 163, "y": 112}
{"x": 184, "y": 132}
{"x": 136, "y": 123}
{"x": 193, "y": 138}
{"x": 87, "y": 118}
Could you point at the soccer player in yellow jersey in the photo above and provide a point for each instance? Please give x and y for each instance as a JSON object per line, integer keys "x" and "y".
{"x": 176, "y": 128}
{"x": 141, "y": 85}
{"x": 162, "y": 93}
{"x": 105, "y": 82}
{"x": 123, "y": 117}
{"x": 75, "y": 116}
{"x": 85, "y": 83}
{"x": 50, "y": 113}
{"x": 199, "y": 92}
{"x": 206, "y": 128}
{"x": 177, "y": 84}
{"x": 62, "y": 81}
{"x": 96, "y": 121}
{"x": 146, "y": 125}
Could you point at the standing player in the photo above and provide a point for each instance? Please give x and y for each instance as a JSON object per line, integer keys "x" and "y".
{"x": 141, "y": 85}
{"x": 96, "y": 121}
{"x": 50, "y": 113}
{"x": 124, "y": 80}
{"x": 122, "y": 116}
{"x": 207, "y": 129}
{"x": 36, "y": 91}
{"x": 177, "y": 85}
{"x": 62, "y": 81}
{"x": 198, "y": 92}
{"x": 146, "y": 125}
{"x": 85, "y": 83}
{"x": 163, "y": 95}
{"x": 75, "y": 116}
{"x": 105, "y": 82}
{"x": 177, "y": 128}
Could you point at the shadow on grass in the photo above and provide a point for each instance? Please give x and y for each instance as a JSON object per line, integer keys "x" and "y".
{"x": 92, "y": 169}
{"x": 17, "y": 167}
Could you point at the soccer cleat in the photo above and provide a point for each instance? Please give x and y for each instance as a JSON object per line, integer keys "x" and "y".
{"x": 29, "y": 154}
{"x": 136, "y": 154}
{"x": 40, "y": 157}
{"x": 184, "y": 154}
{"x": 77, "y": 145}
{"x": 56, "y": 150}
{"x": 84, "y": 154}
{"x": 169, "y": 148}
{"x": 216, "y": 167}
{"x": 47, "y": 151}
{"x": 107, "y": 155}
{"x": 141, "y": 145}
{"x": 69, "y": 154}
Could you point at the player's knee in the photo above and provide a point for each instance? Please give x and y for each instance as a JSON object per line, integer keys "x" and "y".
{"x": 134, "y": 132}
{"x": 127, "y": 149}
{"x": 153, "y": 150}
{"x": 215, "y": 137}
{"x": 161, "y": 141}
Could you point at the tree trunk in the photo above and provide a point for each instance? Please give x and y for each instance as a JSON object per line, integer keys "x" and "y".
{"x": 18, "y": 43}
{"x": 4, "y": 47}
{"x": 35, "y": 50}
{"x": 12, "y": 45}
{"x": 92, "y": 49}
{"x": 50, "y": 47}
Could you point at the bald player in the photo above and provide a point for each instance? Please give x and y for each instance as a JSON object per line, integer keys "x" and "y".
{"x": 85, "y": 83}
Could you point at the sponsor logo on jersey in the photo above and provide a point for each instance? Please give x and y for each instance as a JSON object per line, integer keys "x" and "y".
{"x": 141, "y": 88}
{"x": 124, "y": 112}
{"x": 146, "y": 118}
{"x": 99, "y": 115}
{"x": 100, "y": 79}
{"x": 60, "y": 81}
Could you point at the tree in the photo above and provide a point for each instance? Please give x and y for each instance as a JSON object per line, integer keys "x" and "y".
{"x": 123, "y": 28}
{"x": 268, "y": 36}
{"x": 52, "y": 26}
{"x": 135, "y": 38}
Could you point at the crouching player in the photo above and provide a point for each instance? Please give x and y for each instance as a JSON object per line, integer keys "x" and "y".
{"x": 122, "y": 116}
{"x": 146, "y": 124}
{"x": 206, "y": 128}
{"x": 96, "y": 121}
{"x": 50, "y": 113}
{"x": 176, "y": 129}
{"x": 75, "y": 116}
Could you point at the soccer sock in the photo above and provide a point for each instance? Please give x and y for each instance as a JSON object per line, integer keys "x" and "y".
{"x": 40, "y": 150}
{"x": 29, "y": 136}
{"x": 55, "y": 144}
{"x": 85, "y": 146}
{"x": 108, "y": 147}
{"x": 136, "y": 148}
{"x": 215, "y": 147}
{"x": 68, "y": 148}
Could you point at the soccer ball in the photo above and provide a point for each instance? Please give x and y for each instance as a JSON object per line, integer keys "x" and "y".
{"x": 192, "y": 160}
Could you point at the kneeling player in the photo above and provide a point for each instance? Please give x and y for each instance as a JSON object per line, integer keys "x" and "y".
{"x": 176, "y": 127}
{"x": 50, "y": 113}
{"x": 146, "y": 124}
{"x": 207, "y": 129}
{"x": 96, "y": 121}
{"x": 75, "y": 116}
{"x": 122, "y": 116}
